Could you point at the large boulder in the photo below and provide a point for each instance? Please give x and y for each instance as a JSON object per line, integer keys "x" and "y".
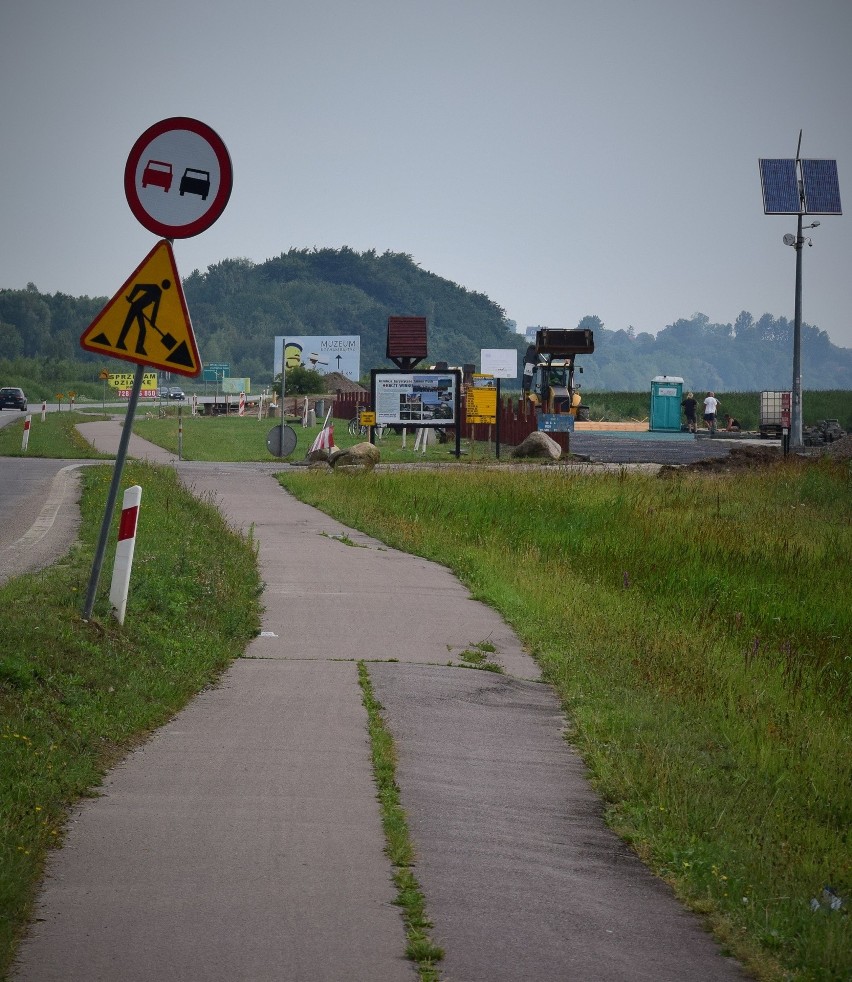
{"x": 538, "y": 445}
{"x": 355, "y": 460}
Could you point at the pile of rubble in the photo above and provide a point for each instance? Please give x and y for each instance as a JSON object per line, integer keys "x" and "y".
{"x": 825, "y": 431}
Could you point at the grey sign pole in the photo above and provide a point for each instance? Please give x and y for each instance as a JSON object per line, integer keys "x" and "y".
{"x": 100, "y": 551}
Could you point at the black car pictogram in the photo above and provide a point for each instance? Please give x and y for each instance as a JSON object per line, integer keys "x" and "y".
{"x": 195, "y": 182}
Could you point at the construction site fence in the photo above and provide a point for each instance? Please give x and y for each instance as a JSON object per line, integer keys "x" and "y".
{"x": 517, "y": 419}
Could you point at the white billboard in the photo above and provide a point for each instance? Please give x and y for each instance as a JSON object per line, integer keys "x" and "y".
{"x": 499, "y": 362}
{"x": 335, "y": 353}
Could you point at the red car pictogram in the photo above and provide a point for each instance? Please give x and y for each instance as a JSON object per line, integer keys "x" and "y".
{"x": 158, "y": 173}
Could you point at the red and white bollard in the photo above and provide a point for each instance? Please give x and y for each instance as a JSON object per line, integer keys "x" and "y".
{"x": 124, "y": 551}
{"x": 242, "y": 410}
{"x": 26, "y": 439}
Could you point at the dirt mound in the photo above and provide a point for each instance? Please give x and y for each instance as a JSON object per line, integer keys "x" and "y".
{"x": 750, "y": 456}
{"x": 740, "y": 458}
{"x": 335, "y": 382}
{"x": 841, "y": 449}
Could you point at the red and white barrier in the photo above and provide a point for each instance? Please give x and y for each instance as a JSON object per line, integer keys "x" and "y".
{"x": 242, "y": 410}
{"x": 26, "y": 439}
{"x": 124, "y": 551}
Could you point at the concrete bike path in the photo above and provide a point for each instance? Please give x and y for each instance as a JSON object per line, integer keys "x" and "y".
{"x": 243, "y": 840}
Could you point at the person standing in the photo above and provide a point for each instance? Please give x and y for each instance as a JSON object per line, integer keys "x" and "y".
{"x": 711, "y": 404}
{"x": 689, "y": 405}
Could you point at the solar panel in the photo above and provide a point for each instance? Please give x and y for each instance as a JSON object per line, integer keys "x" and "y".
{"x": 822, "y": 191}
{"x": 780, "y": 187}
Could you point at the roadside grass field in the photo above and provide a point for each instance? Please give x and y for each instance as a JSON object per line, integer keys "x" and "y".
{"x": 234, "y": 438}
{"x": 55, "y": 437}
{"x": 76, "y": 696}
{"x": 698, "y": 631}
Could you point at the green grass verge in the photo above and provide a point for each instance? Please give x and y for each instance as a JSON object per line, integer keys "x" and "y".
{"x": 697, "y": 630}
{"x": 419, "y": 946}
{"x": 236, "y": 438}
{"x": 56, "y": 437}
{"x": 75, "y": 696}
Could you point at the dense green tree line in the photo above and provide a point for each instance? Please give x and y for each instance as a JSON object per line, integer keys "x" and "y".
{"x": 238, "y": 307}
{"x": 746, "y": 356}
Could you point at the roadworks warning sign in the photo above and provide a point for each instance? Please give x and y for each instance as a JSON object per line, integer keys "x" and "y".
{"x": 147, "y": 321}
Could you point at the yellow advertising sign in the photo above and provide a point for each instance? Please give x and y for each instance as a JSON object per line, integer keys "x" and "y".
{"x": 147, "y": 321}
{"x": 124, "y": 380}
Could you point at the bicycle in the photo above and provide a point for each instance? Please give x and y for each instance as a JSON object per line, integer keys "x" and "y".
{"x": 355, "y": 427}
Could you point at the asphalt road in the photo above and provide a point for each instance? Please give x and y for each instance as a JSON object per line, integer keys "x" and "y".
{"x": 39, "y": 514}
{"x": 243, "y": 840}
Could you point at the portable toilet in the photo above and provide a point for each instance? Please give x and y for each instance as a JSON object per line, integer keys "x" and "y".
{"x": 666, "y": 394}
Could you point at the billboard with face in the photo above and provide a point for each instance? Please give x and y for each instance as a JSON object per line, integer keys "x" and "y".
{"x": 340, "y": 353}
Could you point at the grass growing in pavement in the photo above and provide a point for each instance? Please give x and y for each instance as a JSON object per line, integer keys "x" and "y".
{"x": 697, "y": 629}
{"x": 75, "y": 696}
{"x": 55, "y": 437}
{"x": 419, "y": 948}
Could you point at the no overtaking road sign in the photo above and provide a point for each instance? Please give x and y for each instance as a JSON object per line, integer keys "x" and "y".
{"x": 178, "y": 177}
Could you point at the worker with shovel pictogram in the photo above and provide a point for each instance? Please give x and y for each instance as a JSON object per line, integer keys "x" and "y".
{"x": 141, "y": 297}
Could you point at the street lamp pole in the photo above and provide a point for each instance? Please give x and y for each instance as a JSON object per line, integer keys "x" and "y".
{"x": 796, "y": 186}
{"x": 796, "y": 408}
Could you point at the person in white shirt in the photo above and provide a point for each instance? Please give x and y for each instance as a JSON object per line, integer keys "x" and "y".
{"x": 711, "y": 404}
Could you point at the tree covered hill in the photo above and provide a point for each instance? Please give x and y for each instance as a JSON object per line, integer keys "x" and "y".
{"x": 238, "y": 307}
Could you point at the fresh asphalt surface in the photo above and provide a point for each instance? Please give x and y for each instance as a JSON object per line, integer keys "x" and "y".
{"x": 243, "y": 841}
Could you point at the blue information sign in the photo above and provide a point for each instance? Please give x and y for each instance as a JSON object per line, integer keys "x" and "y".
{"x": 556, "y": 423}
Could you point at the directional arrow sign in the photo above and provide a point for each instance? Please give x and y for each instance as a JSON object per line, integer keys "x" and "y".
{"x": 147, "y": 321}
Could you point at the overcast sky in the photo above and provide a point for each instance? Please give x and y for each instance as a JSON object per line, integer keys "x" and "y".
{"x": 563, "y": 157}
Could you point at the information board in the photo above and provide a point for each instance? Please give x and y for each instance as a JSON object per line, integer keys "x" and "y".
{"x": 556, "y": 423}
{"x": 415, "y": 399}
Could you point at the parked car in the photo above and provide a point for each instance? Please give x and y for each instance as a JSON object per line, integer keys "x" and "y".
{"x": 172, "y": 392}
{"x": 12, "y": 398}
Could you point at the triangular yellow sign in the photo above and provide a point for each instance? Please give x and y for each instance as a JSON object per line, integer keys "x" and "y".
{"x": 147, "y": 321}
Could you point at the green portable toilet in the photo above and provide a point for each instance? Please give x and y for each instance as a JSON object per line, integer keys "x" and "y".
{"x": 666, "y": 394}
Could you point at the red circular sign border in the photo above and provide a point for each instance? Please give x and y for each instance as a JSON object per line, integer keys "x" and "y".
{"x": 226, "y": 176}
